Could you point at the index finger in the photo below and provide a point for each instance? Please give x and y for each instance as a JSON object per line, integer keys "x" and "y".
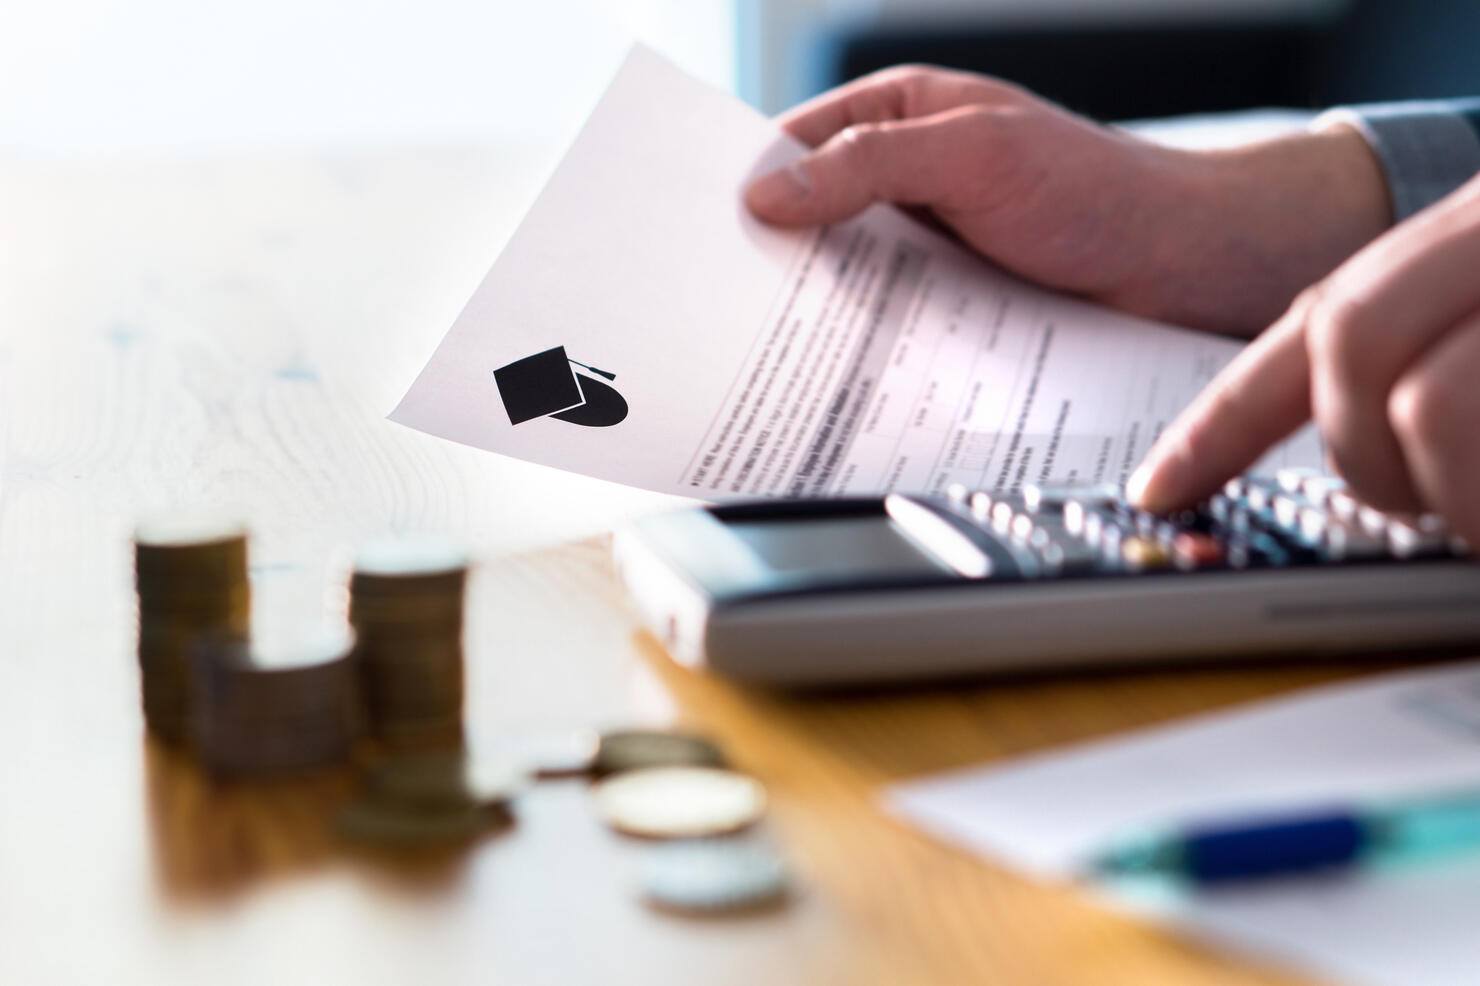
{"x": 1258, "y": 399}
{"x": 893, "y": 94}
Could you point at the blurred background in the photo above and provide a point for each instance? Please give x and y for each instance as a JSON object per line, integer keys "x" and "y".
{"x": 193, "y": 77}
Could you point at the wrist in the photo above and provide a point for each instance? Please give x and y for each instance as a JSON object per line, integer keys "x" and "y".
{"x": 1246, "y": 229}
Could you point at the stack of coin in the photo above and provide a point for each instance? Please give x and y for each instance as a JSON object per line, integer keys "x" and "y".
{"x": 191, "y": 575}
{"x": 406, "y": 604}
{"x": 426, "y": 799}
{"x": 285, "y": 700}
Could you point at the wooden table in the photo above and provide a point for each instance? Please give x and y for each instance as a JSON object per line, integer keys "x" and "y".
{"x": 233, "y": 333}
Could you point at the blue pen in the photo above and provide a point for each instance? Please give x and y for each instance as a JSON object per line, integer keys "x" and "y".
{"x": 1278, "y": 844}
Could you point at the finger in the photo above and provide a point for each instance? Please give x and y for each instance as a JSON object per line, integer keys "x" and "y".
{"x": 893, "y": 94}
{"x": 1433, "y": 410}
{"x": 1259, "y": 398}
{"x": 1382, "y": 311}
{"x": 912, "y": 162}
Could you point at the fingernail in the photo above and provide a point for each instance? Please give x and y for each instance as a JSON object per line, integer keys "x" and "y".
{"x": 780, "y": 190}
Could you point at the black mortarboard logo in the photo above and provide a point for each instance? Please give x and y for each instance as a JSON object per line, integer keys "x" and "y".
{"x": 545, "y": 385}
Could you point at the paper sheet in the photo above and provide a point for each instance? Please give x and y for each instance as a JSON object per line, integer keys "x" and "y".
{"x": 1395, "y": 735}
{"x": 720, "y": 358}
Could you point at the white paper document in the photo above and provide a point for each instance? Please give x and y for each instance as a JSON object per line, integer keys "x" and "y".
{"x": 1397, "y": 735}
{"x": 642, "y": 326}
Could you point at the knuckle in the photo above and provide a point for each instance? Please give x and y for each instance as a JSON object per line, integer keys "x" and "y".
{"x": 860, "y": 141}
{"x": 1426, "y": 410}
{"x": 1339, "y": 333}
{"x": 907, "y": 74}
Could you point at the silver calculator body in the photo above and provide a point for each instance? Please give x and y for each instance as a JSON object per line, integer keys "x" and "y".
{"x": 816, "y": 592}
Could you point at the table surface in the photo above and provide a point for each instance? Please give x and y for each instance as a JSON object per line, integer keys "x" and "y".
{"x": 233, "y": 333}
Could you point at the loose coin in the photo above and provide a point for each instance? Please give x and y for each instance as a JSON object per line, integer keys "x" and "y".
{"x": 711, "y": 875}
{"x": 540, "y": 752}
{"x": 444, "y": 780}
{"x": 680, "y": 802}
{"x": 398, "y": 826}
{"x": 636, "y": 749}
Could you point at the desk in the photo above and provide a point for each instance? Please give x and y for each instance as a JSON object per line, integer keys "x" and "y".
{"x": 234, "y": 333}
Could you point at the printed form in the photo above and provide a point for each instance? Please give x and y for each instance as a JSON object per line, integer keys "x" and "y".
{"x": 723, "y": 359}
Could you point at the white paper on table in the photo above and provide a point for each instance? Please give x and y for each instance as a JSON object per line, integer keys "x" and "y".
{"x": 1395, "y": 735}
{"x": 745, "y": 361}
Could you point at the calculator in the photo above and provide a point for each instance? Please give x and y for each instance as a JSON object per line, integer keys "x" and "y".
{"x": 836, "y": 591}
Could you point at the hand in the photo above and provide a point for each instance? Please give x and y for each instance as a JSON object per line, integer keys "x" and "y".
{"x": 1221, "y": 240}
{"x": 1384, "y": 354}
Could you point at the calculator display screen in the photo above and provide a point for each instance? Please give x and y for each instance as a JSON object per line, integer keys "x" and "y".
{"x": 836, "y": 547}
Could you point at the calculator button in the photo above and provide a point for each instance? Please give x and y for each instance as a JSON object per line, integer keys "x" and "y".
{"x": 1192, "y": 549}
{"x": 1068, "y": 557}
{"x": 1372, "y": 520}
{"x": 1319, "y": 489}
{"x": 1078, "y": 514}
{"x": 1094, "y": 526}
{"x": 1313, "y": 522}
{"x": 1411, "y": 537}
{"x": 957, "y": 492}
{"x": 1257, "y": 550}
{"x": 1002, "y": 513}
{"x": 1055, "y": 496}
{"x": 1287, "y": 509}
{"x": 1143, "y": 554}
{"x": 1108, "y": 537}
{"x": 1293, "y": 480}
{"x": 1144, "y": 524}
{"x": 1343, "y": 505}
{"x": 1341, "y": 541}
{"x": 1022, "y": 528}
{"x": 1259, "y": 493}
{"x": 981, "y": 506}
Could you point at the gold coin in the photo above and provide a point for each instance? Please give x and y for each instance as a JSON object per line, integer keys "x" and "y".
{"x": 444, "y": 780}
{"x": 680, "y": 802}
{"x": 394, "y": 825}
{"x": 637, "y": 749}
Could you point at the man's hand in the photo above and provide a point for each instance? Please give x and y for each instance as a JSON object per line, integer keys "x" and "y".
{"x": 1221, "y": 240}
{"x": 1384, "y": 354}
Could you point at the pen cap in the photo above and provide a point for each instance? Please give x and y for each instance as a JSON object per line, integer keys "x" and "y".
{"x": 1252, "y": 849}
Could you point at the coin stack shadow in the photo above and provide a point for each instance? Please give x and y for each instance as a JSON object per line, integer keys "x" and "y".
{"x": 191, "y": 581}
{"x": 406, "y": 606}
{"x": 274, "y": 705}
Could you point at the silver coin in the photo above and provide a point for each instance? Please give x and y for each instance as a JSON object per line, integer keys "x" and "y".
{"x": 710, "y": 875}
{"x": 680, "y": 802}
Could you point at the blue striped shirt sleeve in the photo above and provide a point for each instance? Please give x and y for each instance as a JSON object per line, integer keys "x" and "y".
{"x": 1427, "y": 148}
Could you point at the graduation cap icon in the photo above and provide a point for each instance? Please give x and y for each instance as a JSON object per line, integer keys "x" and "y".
{"x": 547, "y": 385}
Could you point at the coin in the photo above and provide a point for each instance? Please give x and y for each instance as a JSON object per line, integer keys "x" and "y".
{"x": 406, "y": 604}
{"x": 444, "y": 780}
{"x": 680, "y": 802}
{"x": 711, "y": 875}
{"x": 190, "y": 571}
{"x": 635, "y": 749}
{"x": 543, "y": 752}
{"x": 398, "y": 826}
{"x": 286, "y": 699}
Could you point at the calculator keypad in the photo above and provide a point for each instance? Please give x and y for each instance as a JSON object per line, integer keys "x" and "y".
{"x": 1297, "y": 517}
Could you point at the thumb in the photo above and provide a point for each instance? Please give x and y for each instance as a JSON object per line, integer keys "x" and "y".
{"x": 912, "y": 162}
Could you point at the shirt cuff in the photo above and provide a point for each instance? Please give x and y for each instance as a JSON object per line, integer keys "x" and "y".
{"x": 1427, "y": 148}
